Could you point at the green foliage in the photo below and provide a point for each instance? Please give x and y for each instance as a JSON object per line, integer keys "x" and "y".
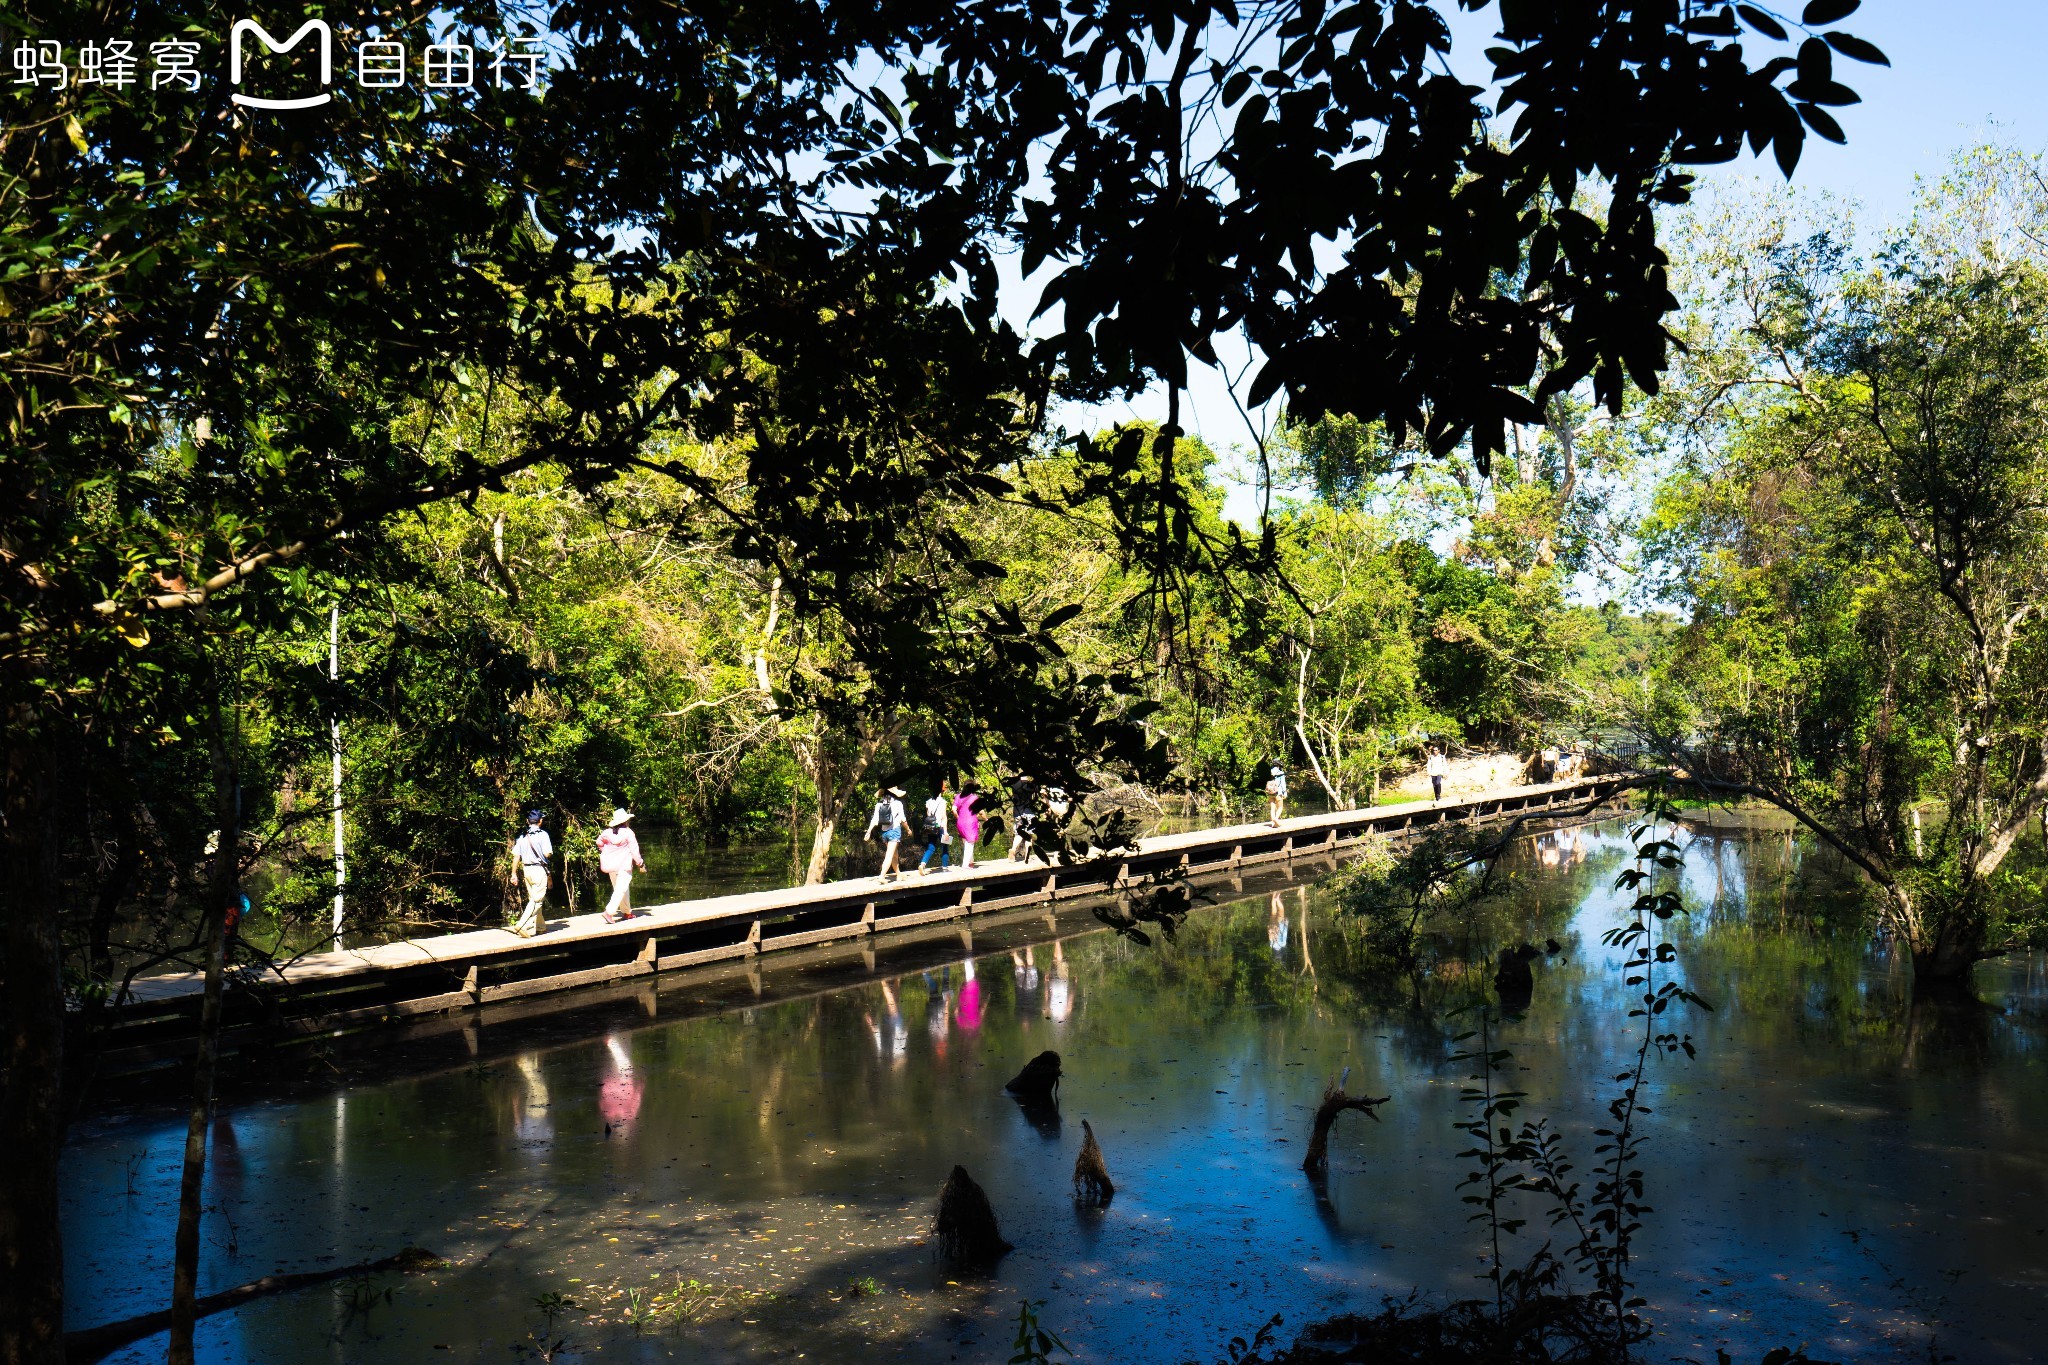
{"x": 1034, "y": 1344}
{"x": 1859, "y": 542}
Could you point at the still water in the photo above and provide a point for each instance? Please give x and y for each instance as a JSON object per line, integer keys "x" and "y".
{"x": 1837, "y": 1167}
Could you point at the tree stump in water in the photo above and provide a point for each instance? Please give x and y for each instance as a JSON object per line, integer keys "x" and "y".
{"x": 1039, "y": 1079}
{"x": 1092, "y": 1184}
{"x": 1335, "y": 1102}
{"x": 1513, "y": 980}
{"x": 966, "y": 1224}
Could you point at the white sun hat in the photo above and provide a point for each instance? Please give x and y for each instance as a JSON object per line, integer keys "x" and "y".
{"x": 620, "y": 815}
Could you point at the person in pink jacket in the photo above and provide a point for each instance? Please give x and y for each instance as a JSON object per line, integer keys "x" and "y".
{"x": 618, "y": 855}
{"x": 967, "y": 819}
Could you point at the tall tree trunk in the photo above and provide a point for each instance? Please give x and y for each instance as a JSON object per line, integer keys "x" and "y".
{"x": 191, "y": 1188}
{"x": 821, "y": 849}
{"x": 1301, "y": 728}
{"x": 31, "y": 1085}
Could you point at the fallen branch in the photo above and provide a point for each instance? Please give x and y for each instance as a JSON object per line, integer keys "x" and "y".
{"x": 97, "y": 1343}
{"x": 1335, "y": 1102}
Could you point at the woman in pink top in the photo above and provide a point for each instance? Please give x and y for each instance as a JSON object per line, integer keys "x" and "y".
{"x": 966, "y": 821}
{"x": 618, "y": 854}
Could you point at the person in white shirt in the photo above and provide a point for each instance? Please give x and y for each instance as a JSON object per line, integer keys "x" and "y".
{"x": 532, "y": 850}
{"x": 1276, "y": 795}
{"x": 894, "y": 824}
{"x": 1439, "y": 769}
{"x": 938, "y": 832}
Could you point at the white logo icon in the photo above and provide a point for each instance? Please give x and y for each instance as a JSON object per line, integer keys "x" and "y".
{"x": 326, "y": 61}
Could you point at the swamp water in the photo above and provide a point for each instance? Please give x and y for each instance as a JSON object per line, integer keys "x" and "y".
{"x": 1837, "y": 1167}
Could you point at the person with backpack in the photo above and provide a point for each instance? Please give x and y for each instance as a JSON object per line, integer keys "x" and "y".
{"x": 893, "y": 824}
{"x": 967, "y": 819}
{"x": 531, "y": 851}
{"x": 1024, "y": 811}
{"x": 1276, "y": 795}
{"x": 937, "y": 818}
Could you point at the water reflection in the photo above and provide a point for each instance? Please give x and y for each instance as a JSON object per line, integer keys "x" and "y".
{"x": 794, "y": 1146}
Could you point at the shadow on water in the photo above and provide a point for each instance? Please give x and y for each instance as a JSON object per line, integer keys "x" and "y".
{"x": 1839, "y": 1166}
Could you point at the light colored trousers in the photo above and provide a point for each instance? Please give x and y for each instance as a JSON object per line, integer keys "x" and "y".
{"x": 621, "y": 883}
{"x": 536, "y": 896}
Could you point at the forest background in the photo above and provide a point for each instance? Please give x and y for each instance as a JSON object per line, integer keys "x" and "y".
{"x": 656, "y": 438}
{"x": 1681, "y": 580}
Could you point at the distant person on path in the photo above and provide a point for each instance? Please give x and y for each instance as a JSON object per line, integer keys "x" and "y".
{"x": 1439, "y": 769}
{"x": 893, "y": 824}
{"x": 937, "y": 824}
{"x": 1276, "y": 795}
{"x": 967, "y": 819}
{"x": 618, "y": 854}
{"x": 532, "y": 850}
{"x": 1024, "y": 810}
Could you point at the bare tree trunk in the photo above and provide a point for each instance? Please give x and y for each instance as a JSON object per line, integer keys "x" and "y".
{"x": 225, "y": 886}
{"x": 31, "y": 1085}
{"x": 1301, "y": 727}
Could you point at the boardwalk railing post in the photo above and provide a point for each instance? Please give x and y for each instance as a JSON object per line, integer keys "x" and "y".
{"x": 1052, "y": 885}
{"x": 867, "y": 920}
{"x": 472, "y": 984}
{"x": 754, "y": 939}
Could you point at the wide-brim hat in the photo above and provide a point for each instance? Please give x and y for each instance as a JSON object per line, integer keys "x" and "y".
{"x": 620, "y": 815}
{"x": 896, "y": 791}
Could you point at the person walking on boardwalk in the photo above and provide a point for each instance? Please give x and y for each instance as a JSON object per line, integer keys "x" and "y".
{"x": 937, "y": 822}
{"x": 967, "y": 819}
{"x": 531, "y": 851}
{"x": 1024, "y": 811}
{"x": 618, "y": 855}
{"x": 893, "y": 824}
{"x": 1439, "y": 769}
{"x": 1276, "y": 795}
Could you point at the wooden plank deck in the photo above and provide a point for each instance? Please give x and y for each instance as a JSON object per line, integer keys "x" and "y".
{"x": 390, "y": 982}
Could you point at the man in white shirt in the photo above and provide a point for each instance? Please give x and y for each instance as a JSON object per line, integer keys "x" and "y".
{"x": 1439, "y": 769}
{"x": 532, "y": 850}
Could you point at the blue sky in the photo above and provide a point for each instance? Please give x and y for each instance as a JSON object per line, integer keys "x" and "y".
{"x": 1962, "y": 72}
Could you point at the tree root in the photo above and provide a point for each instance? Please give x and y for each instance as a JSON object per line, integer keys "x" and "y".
{"x": 1335, "y": 1102}
{"x": 1092, "y": 1184}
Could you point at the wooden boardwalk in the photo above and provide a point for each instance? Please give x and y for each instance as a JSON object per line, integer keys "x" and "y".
{"x": 392, "y": 982}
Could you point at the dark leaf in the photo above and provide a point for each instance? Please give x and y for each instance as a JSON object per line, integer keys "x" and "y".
{"x": 1856, "y": 49}
{"x": 1828, "y": 11}
{"x": 1762, "y": 22}
{"x": 1822, "y": 122}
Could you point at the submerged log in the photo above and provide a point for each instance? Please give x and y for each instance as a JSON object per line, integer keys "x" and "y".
{"x": 1335, "y": 1102}
{"x": 1040, "y": 1078}
{"x": 1092, "y": 1184}
{"x": 966, "y": 1223}
{"x": 96, "y": 1343}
